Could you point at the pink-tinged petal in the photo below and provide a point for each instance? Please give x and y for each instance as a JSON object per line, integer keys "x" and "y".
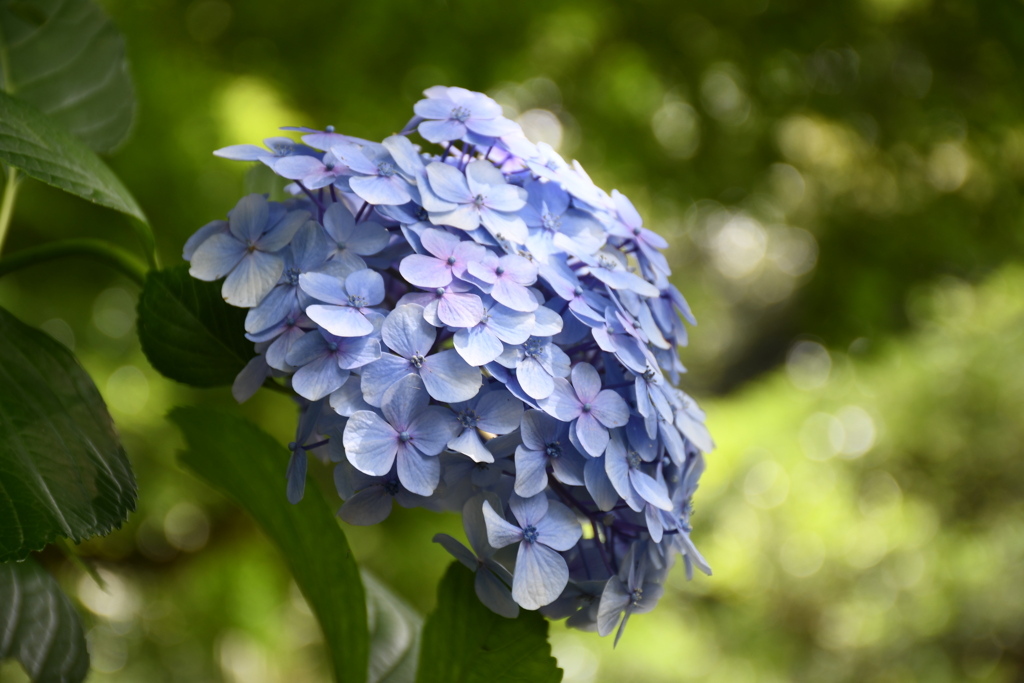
{"x": 425, "y": 271}
{"x": 541, "y": 576}
{"x": 449, "y": 378}
{"x": 216, "y": 257}
{"x": 559, "y": 530}
{"x": 341, "y": 321}
{"x": 562, "y": 402}
{"x": 370, "y": 443}
{"x": 482, "y": 271}
{"x": 499, "y": 532}
{"x": 460, "y": 310}
{"x": 252, "y": 279}
{"x": 592, "y": 434}
{"x": 439, "y": 243}
{"x": 297, "y": 167}
{"x": 610, "y": 409}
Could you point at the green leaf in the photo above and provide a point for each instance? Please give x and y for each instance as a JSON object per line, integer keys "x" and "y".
{"x": 67, "y": 59}
{"x": 188, "y": 332}
{"x": 464, "y": 642}
{"x": 248, "y": 465}
{"x": 63, "y": 471}
{"x": 43, "y": 149}
{"x": 394, "y": 634}
{"x": 38, "y": 625}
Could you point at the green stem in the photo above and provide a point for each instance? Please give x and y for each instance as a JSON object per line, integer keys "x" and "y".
{"x": 7, "y": 207}
{"x": 117, "y": 258}
{"x": 145, "y": 234}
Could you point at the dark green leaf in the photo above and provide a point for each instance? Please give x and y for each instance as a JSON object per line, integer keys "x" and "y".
{"x": 394, "y": 635}
{"x": 464, "y": 642}
{"x": 247, "y": 464}
{"x": 62, "y": 469}
{"x": 38, "y": 625}
{"x": 67, "y": 59}
{"x": 43, "y": 149}
{"x": 188, "y": 332}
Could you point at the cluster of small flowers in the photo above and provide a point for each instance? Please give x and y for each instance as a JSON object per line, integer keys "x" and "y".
{"x": 480, "y": 329}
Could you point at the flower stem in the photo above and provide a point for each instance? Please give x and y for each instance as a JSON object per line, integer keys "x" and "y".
{"x": 115, "y": 257}
{"x": 7, "y": 207}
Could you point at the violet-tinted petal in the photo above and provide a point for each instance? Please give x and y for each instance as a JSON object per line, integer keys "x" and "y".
{"x": 586, "y": 382}
{"x": 534, "y": 379}
{"x": 250, "y": 379}
{"x": 215, "y": 258}
{"x": 529, "y": 510}
{"x": 449, "y": 378}
{"x": 559, "y": 530}
{"x": 651, "y": 490}
{"x": 319, "y": 378}
{"x": 478, "y": 345}
{"x": 538, "y": 428}
{"x": 347, "y": 400}
{"x": 499, "y": 532}
{"x": 511, "y": 327}
{"x": 296, "y": 475}
{"x": 324, "y": 287}
{"x": 513, "y": 295}
{"x": 341, "y": 321}
{"x": 381, "y": 375}
{"x": 370, "y": 443}
{"x": 460, "y": 309}
{"x": 462, "y": 216}
{"x": 252, "y": 279}
{"x": 531, "y": 472}
{"x": 418, "y": 472}
{"x": 610, "y": 409}
{"x": 541, "y": 575}
{"x": 592, "y": 434}
{"x": 448, "y": 183}
{"x": 403, "y": 401}
{"x": 365, "y": 284}
{"x": 494, "y": 594}
{"x": 388, "y": 190}
{"x": 500, "y": 412}
{"x": 504, "y": 226}
{"x": 425, "y": 271}
{"x": 309, "y": 347}
{"x": 432, "y": 428}
{"x": 441, "y": 131}
{"x": 248, "y": 219}
{"x": 614, "y": 599}
{"x": 297, "y": 167}
{"x": 370, "y": 506}
{"x": 562, "y": 402}
{"x": 457, "y": 550}
{"x": 407, "y": 333}
{"x": 469, "y": 443}
{"x": 598, "y": 485}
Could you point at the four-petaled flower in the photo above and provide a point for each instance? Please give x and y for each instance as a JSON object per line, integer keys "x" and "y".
{"x": 594, "y": 410}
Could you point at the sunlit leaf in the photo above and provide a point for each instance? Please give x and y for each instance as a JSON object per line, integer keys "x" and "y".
{"x": 464, "y": 642}
{"x": 63, "y": 472}
{"x": 38, "y": 625}
{"x": 66, "y": 58}
{"x": 248, "y": 465}
{"x": 187, "y": 331}
{"x": 43, "y": 149}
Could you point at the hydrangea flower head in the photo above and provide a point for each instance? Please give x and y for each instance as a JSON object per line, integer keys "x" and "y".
{"x": 475, "y": 326}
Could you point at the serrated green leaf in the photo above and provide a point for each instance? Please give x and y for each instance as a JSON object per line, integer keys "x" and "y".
{"x": 67, "y": 59}
{"x": 43, "y": 149}
{"x": 188, "y": 332}
{"x": 63, "y": 472}
{"x": 38, "y": 625}
{"x": 248, "y": 465}
{"x": 394, "y": 634}
{"x": 464, "y": 642}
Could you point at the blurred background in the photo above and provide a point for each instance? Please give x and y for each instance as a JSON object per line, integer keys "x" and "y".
{"x": 841, "y": 186}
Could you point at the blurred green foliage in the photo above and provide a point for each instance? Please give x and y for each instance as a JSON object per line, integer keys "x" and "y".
{"x": 841, "y": 186}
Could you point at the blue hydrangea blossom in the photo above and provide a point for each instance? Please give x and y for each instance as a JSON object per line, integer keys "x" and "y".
{"x": 475, "y": 327}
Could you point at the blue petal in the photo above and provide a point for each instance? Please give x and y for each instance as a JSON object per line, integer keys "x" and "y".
{"x": 297, "y": 476}
{"x": 494, "y": 594}
{"x": 598, "y": 485}
{"x": 592, "y": 434}
{"x": 407, "y": 333}
{"x": 459, "y": 309}
{"x": 559, "y": 530}
{"x": 248, "y": 219}
{"x": 449, "y": 183}
{"x": 431, "y": 429}
{"x": 534, "y": 379}
{"x": 324, "y": 287}
{"x": 457, "y": 550}
{"x": 252, "y": 279}
{"x": 561, "y": 402}
{"x": 214, "y": 258}
{"x": 441, "y": 131}
{"x": 425, "y": 271}
{"x": 528, "y": 510}
{"x": 341, "y": 321}
{"x": 319, "y": 378}
{"x": 370, "y": 443}
{"x": 403, "y": 401}
{"x": 381, "y": 375}
{"x": 449, "y": 378}
{"x": 500, "y": 412}
{"x": 366, "y": 283}
{"x": 367, "y": 507}
{"x": 390, "y": 190}
{"x": 614, "y": 599}
{"x": 541, "y": 575}
{"x": 499, "y": 532}
{"x": 531, "y": 472}
{"x": 651, "y": 490}
{"x": 418, "y": 472}
{"x": 478, "y": 345}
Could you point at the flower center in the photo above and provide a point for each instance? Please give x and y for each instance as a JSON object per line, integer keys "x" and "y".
{"x": 405, "y": 437}
{"x": 633, "y": 459}
{"x": 332, "y": 346}
{"x": 385, "y": 169}
{"x": 478, "y": 201}
{"x": 391, "y": 487}
{"x": 468, "y": 418}
{"x": 551, "y": 223}
{"x": 291, "y": 276}
{"x": 460, "y": 114}
{"x": 530, "y": 534}
{"x": 417, "y": 361}
{"x": 533, "y": 347}
{"x": 637, "y": 595}
{"x": 587, "y": 407}
{"x": 356, "y": 301}
{"x": 451, "y": 260}
{"x": 636, "y": 231}
{"x": 553, "y": 449}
